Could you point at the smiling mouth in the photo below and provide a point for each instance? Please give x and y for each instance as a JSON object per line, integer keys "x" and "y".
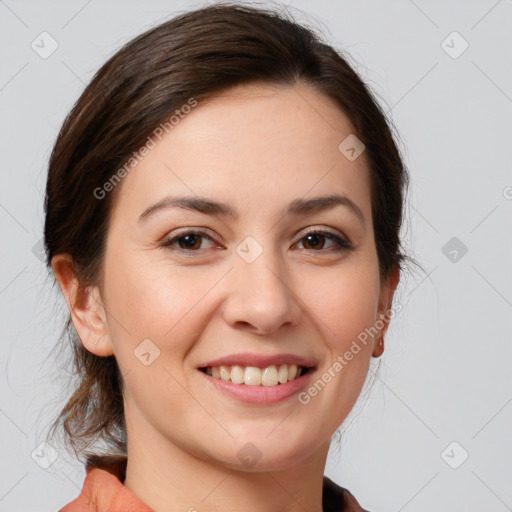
{"x": 272, "y": 375}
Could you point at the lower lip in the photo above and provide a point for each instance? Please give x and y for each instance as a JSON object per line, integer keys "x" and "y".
{"x": 260, "y": 394}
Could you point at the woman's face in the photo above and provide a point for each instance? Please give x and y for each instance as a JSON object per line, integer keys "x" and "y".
{"x": 254, "y": 283}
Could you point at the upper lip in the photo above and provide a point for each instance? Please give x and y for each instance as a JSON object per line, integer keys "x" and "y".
{"x": 259, "y": 360}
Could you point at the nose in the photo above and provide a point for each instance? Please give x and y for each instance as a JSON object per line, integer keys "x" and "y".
{"x": 261, "y": 297}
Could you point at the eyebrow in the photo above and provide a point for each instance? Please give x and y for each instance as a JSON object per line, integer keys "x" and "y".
{"x": 298, "y": 207}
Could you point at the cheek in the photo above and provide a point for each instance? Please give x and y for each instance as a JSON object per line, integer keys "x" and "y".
{"x": 345, "y": 301}
{"x": 345, "y": 309}
{"x": 156, "y": 303}
{"x": 154, "y": 300}
{"x": 149, "y": 298}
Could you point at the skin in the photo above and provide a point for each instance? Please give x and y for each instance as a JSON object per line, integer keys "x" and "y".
{"x": 251, "y": 146}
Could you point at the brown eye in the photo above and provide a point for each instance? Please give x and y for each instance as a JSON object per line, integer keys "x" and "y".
{"x": 316, "y": 240}
{"x": 189, "y": 241}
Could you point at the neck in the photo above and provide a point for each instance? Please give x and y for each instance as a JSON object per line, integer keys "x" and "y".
{"x": 170, "y": 478}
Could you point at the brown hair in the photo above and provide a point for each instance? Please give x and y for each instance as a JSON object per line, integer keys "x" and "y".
{"x": 194, "y": 55}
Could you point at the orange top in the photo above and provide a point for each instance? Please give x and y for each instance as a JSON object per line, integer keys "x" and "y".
{"x": 103, "y": 491}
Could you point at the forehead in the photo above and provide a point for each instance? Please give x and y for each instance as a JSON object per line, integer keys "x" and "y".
{"x": 252, "y": 145}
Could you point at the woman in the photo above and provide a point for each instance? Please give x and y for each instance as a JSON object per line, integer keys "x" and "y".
{"x": 223, "y": 209}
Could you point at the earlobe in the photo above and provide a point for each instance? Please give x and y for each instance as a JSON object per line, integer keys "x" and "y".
{"x": 378, "y": 348}
{"x": 86, "y": 307}
{"x": 385, "y": 301}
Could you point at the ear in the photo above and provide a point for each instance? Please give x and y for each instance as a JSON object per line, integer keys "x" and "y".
{"x": 86, "y": 307}
{"x": 385, "y": 300}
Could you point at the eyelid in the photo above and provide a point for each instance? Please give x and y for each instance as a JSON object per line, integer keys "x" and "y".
{"x": 323, "y": 230}
{"x": 192, "y": 230}
{"x": 168, "y": 240}
{"x": 341, "y": 240}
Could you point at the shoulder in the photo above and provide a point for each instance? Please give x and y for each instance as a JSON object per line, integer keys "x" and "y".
{"x": 103, "y": 488}
{"x": 338, "y": 499}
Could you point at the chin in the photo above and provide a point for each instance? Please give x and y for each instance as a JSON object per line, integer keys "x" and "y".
{"x": 265, "y": 455}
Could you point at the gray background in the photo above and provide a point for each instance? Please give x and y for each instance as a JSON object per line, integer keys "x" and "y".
{"x": 446, "y": 371}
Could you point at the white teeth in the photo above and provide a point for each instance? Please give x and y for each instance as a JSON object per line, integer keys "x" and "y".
{"x": 237, "y": 375}
{"x": 283, "y": 374}
{"x": 269, "y": 376}
{"x": 224, "y": 373}
{"x": 254, "y": 376}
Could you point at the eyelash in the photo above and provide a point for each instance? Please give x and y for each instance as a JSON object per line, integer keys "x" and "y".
{"x": 343, "y": 245}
